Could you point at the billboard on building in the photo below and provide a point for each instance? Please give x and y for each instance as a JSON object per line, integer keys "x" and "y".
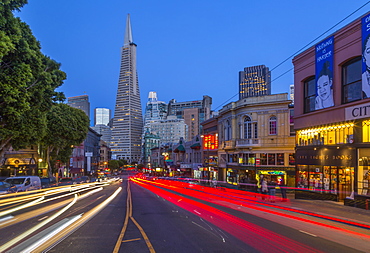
{"x": 366, "y": 56}
{"x": 324, "y": 56}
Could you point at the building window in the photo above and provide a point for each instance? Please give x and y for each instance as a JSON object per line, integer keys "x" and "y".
{"x": 273, "y": 125}
{"x": 328, "y": 135}
{"x": 351, "y": 81}
{"x": 227, "y": 131}
{"x": 255, "y": 125}
{"x": 247, "y": 128}
{"x": 309, "y": 95}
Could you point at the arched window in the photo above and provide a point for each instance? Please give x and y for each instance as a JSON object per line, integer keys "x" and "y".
{"x": 247, "y": 128}
{"x": 273, "y": 125}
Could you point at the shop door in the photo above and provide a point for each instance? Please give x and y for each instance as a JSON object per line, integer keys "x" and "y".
{"x": 345, "y": 182}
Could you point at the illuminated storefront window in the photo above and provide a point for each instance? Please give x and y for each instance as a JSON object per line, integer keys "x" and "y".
{"x": 327, "y": 135}
{"x": 363, "y": 177}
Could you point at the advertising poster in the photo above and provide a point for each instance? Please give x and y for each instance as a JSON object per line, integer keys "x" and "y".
{"x": 366, "y": 56}
{"x": 324, "y": 73}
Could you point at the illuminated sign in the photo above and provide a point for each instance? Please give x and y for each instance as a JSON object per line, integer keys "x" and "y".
{"x": 210, "y": 142}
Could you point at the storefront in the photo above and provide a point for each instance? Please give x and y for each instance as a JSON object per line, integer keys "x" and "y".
{"x": 325, "y": 172}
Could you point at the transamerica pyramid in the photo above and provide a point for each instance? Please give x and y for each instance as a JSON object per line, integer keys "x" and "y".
{"x": 128, "y": 120}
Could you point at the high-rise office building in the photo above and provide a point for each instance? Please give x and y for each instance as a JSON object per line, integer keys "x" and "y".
{"x": 128, "y": 120}
{"x": 80, "y": 102}
{"x": 254, "y": 81}
{"x": 193, "y": 112}
{"x": 102, "y": 116}
{"x": 170, "y": 130}
{"x": 154, "y": 111}
{"x": 291, "y": 93}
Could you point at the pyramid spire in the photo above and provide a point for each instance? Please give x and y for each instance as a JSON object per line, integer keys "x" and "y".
{"x": 128, "y": 33}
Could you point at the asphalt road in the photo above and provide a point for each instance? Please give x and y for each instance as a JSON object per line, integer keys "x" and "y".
{"x": 140, "y": 217}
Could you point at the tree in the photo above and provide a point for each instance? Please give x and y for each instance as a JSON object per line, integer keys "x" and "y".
{"x": 28, "y": 80}
{"x": 66, "y": 127}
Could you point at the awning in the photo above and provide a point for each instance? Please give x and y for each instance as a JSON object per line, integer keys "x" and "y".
{"x": 180, "y": 149}
{"x": 195, "y": 146}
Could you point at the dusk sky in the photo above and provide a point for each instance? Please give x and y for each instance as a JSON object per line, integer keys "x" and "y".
{"x": 185, "y": 49}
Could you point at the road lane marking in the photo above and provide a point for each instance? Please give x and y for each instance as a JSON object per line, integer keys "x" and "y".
{"x": 146, "y": 239}
{"x": 307, "y": 233}
{"x": 43, "y": 218}
{"x": 137, "y": 239}
{"x": 127, "y": 217}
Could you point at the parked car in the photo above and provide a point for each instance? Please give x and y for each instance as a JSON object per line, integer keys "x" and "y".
{"x": 25, "y": 183}
{"x": 47, "y": 182}
{"x": 7, "y": 188}
{"x": 65, "y": 181}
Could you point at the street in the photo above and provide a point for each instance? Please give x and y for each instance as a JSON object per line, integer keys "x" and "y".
{"x": 140, "y": 215}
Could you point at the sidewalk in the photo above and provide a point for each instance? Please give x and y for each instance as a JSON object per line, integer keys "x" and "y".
{"x": 327, "y": 207}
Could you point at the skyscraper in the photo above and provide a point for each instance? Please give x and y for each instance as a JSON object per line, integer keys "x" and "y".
{"x": 154, "y": 111}
{"x": 128, "y": 120}
{"x": 102, "y": 116}
{"x": 80, "y": 102}
{"x": 254, "y": 81}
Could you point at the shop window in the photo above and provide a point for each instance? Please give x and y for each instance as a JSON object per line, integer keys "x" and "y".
{"x": 302, "y": 177}
{"x": 273, "y": 125}
{"x": 351, "y": 81}
{"x": 280, "y": 158}
{"x": 271, "y": 159}
{"x": 366, "y": 131}
{"x": 291, "y": 158}
{"x": 315, "y": 178}
{"x": 309, "y": 95}
{"x": 263, "y": 159}
{"x": 363, "y": 174}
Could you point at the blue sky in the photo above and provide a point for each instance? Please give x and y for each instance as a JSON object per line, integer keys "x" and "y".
{"x": 186, "y": 49}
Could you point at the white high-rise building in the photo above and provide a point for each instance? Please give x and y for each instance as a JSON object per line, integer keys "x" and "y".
{"x": 170, "y": 130}
{"x": 155, "y": 111}
{"x": 102, "y": 116}
{"x": 128, "y": 120}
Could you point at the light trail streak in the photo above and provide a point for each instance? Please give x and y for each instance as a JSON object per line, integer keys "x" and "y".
{"x": 231, "y": 198}
{"x": 78, "y": 223}
{"x": 261, "y": 239}
{"x": 44, "y": 239}
{"x": 35, "y": 228}
{"x": 3, "y": 213}
{"x": 228, "y": 198}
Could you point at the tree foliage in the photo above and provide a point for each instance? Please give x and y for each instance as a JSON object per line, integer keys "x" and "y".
{"x": 28, "y": 80}
{"x": 66, "y": 127}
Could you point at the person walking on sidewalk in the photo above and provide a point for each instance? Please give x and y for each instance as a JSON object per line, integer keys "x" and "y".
{"x": 272, "y": 189}
{"x": 283, "y": 191}
{"x": 264, "y": 188}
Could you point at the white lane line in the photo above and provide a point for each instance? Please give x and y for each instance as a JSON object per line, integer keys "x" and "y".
{"x": 43, "y": 218}
{"x": 304, "y": 232}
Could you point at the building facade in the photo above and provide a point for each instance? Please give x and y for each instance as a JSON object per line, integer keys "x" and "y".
{"x": 102, "y": 116}
{"x": 128, "y": 120}
{"x": 80, "y": 102}
{"x": 193, "y": 112}
{"x": 255, "y": 141}
{"x": 155, "y": 111}
{"x": 170, "y": 130}
{"x": 331, "y": 120}
{"x": 254, "y": 81}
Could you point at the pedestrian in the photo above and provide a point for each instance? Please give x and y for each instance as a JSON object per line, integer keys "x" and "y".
{"x": 272, "y": 190}
{"x": 264, "y": 188}
{"x": 283, "y": 191}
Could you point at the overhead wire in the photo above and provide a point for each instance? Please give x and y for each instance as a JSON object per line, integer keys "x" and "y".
{"x": 301, "y": 49}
